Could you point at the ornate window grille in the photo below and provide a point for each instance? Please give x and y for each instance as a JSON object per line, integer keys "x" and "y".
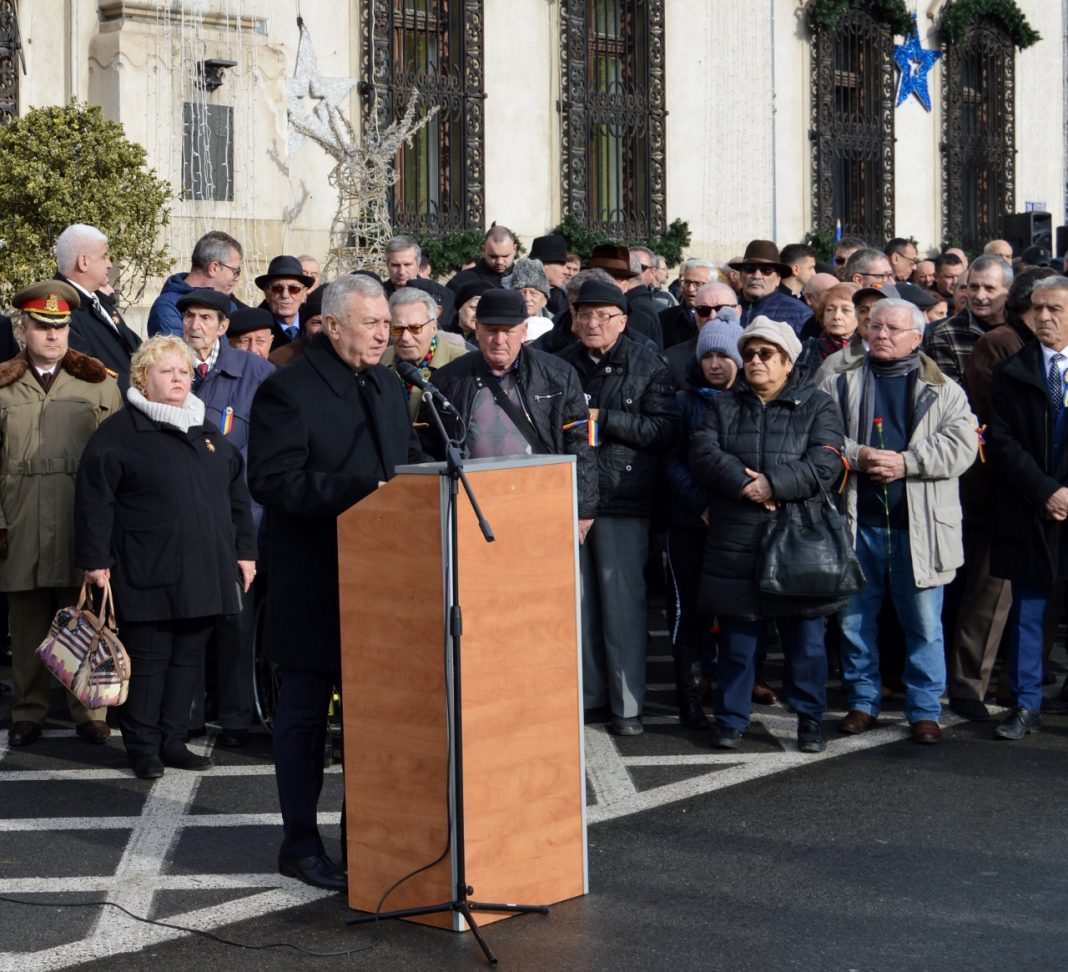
{"x": 612, "y": 106}
{"x": 436, "y": 47}
{"x": 853, "y": 127}
{"x": 978, "y": 141}
{"x": 9, "y": 60}
{"x": 207, "y": 151}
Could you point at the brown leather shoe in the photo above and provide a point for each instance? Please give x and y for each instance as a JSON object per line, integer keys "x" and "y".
{"x": 93, "y": 731}
{"x": 926, "y": 732}
{"x": 763, "y": 695}
{"x": 856, "y": 722}
{"x": 23, "y": 733}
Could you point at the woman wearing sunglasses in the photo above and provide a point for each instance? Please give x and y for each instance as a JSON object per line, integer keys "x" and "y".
{"x": 764, "y": 442}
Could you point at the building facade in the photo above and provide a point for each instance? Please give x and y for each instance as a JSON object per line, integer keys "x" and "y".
{"x": 746, "y": 118}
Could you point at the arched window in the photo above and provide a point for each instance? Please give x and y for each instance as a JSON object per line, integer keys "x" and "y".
{"x": 612, "y": 105}
{"x": 853, "y": 127}
{"x": 435, "y": 46}
{"x": 978, "y": 141}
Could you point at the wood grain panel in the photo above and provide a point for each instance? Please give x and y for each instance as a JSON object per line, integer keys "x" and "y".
{"x": 524, "y": 789}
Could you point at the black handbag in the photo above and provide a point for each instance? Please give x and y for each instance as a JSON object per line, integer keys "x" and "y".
{"x": 807, "y": 552}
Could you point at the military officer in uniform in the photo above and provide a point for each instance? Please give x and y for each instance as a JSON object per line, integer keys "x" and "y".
{"x": 51, "y": 400}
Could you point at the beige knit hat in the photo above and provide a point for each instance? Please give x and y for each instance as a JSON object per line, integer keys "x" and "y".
{"x": 774, "y": 332}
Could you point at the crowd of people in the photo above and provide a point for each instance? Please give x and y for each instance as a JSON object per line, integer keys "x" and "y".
{"x": 200, "y": 473}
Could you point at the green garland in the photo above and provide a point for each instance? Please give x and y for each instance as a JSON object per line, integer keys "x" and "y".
{"x": 822, "y": 242}
{"x": 959, "y": 16}
{"x": 448, "y": 252}
{"x": 825, "y": 14}
{"x": 670, "y": 245}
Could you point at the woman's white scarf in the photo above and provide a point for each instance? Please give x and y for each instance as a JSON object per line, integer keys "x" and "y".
{"x": 184, "y": 416}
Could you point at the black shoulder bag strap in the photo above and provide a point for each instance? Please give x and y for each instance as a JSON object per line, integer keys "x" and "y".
{"x": 519, "y": 418}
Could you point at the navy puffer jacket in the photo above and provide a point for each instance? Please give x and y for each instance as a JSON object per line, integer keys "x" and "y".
{"x": 741, "y": 432}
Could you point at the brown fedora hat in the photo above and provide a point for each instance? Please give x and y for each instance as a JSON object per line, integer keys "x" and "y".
{"x": 613, "y": 259}
{"x": 763, "y": 251}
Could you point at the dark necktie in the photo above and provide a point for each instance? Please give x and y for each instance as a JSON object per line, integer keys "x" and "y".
{"x": 1055, "y": 383}
{"x": 202, "y": 373}
{"x": 100, "y": 312}
{"x": 46, "y": 378}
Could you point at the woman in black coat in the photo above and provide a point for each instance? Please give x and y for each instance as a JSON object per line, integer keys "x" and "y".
{"x": 764, "y": 443}
{"x": 161, "y": 509}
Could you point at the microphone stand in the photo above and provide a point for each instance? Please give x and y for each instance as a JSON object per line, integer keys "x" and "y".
{"x": 461, "y": 901}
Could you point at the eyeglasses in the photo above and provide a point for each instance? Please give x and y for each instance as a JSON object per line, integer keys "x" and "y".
{"x": 911, "y": 261}
{"x": 894, "y": 332}
{"x": 279, "y": 289}
{"x": 686, "y": 284}
{"x": 877, "y": 276}
{"x": 839, "y": 261}
{"x": 764, "y": 354}
{"x": 596, "y": 317}
{"x": 754, "y": 268}
{"x": 707, "y": 310}
{"x": 236, "y": 271}
{"x": 396, "y": 330}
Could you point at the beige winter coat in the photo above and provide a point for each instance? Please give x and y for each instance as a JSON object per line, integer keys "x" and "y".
{"x": 941, "y": 448}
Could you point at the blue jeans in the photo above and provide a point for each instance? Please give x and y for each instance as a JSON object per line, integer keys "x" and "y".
{"x": 805, "y": 677}
{"x": 1026, "y": 627}
{"x": 919, "y": 611}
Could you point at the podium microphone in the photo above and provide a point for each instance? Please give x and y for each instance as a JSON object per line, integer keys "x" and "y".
{"x": 413, "y": 376}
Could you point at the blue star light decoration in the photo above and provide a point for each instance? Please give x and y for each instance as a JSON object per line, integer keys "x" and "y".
{"x": 914, "y": 62}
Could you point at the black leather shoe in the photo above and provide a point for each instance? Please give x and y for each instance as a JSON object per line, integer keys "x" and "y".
{"x": 971, "y": 709}
{"x": 232, "y": 738}
{"x": 184, "y": 759}
{"x": 1018, "y": 725}
{"x": 147, "y": 768}
{"x": 810, "y": 735}
{"x": 727, "y": 738}
{"x": 626, "y": 726}
{"x": 23, "y": 733}
{"x": 318, "y": 871}
{"x": 94, "y": 731}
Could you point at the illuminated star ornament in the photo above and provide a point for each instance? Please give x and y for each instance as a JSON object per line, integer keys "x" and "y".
{"x": 314, "y": 102}
{"x": 914, "y": 62}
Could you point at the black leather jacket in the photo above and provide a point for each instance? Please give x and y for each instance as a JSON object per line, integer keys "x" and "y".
{"x": 632, "y": 390}
{"x": 552, "y": 398}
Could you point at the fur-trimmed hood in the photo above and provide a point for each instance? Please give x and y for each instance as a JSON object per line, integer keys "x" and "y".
{"x": 75, "y": 363}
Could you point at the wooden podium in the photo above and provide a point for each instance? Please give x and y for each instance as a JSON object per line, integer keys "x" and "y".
{"x": 521, "y": 708}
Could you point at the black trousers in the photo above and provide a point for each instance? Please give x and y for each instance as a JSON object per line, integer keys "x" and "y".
{"x": 227, "y": 671}
{"x": 300, "y": 727}
{"x": 165, "y": 657}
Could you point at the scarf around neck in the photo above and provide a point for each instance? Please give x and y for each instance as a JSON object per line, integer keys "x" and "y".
{"x": 183, "y": 417}
{"x": 897, "y": 368}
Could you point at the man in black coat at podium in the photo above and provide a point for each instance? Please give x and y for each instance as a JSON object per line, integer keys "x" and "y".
{"x": 326, "y": 431}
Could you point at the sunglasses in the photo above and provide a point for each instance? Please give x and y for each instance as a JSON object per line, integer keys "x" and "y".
{"x": 278, "y": 289}
{"x": 707, "y": 310}
{"x": 752, "y": 268}
{"x": 764, "y": 354}
{"x": 396, "y": 330}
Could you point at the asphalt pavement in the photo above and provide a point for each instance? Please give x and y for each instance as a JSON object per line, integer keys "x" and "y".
{"x": 876, "y": 855}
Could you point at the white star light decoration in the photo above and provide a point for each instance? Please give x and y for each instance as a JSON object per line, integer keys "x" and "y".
{"x": 313, "y": 103}
{"x": 914, "y": 62}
